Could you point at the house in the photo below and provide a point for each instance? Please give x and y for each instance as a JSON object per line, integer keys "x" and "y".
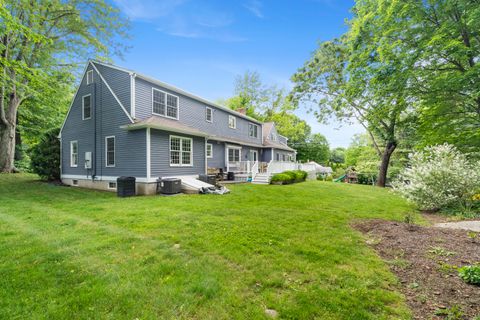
{"x": 123, "y": 123}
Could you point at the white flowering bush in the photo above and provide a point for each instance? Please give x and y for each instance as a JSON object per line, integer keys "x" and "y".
{"x": 439, "y": 177}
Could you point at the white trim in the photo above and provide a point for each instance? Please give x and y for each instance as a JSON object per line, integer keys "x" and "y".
{"x": 104, "y": 178}
{"x": 239, "y": 154}
{"x": 256, "y": 155}
{"x": 74, "y": 97}
{"x": 255, "y": 125}
{"x": 166, "y": 105}
{"x": 149, "y": 160}
{"x": 132, "y": 95}
{"x": 114, "y": 188}
{"x": 83, "y": 106}
{"x": 114, "y": 152}
{"x": 88, "y": 73}
{"x": 71, "y": 154}
{"x": 234, "y": 122}
{"x": 181, "y": 151}
{"x": 179, "y": 91}
{"x": 113, "y": 93}
{"x": 211, "y": 113}
{"x": 211, "y": 150}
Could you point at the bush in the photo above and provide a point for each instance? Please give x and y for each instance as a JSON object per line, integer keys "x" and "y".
{"x": 439, "y": 177}
{"x": 282, "y": 177}
{"x": 45, "y": 156}
{"x": 289, "y": 176}
{"x": 470, "y": 274}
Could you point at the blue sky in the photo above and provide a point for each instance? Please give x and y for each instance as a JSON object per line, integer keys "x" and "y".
{"x": 200, "y": 46}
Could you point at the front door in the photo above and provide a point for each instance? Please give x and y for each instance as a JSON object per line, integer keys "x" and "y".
{"x": 254, "y": 155}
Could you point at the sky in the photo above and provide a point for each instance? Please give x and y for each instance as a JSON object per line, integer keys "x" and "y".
{"x": 201, "y": 46}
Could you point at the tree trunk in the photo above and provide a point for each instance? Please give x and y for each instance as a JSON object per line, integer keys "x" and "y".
{"x": 387, "y": 153}
{"x": 7, "y": 148}
{"x": 18, "y": 143}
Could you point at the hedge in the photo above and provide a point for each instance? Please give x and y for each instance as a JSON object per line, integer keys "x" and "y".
{"x": 290, "y": 176}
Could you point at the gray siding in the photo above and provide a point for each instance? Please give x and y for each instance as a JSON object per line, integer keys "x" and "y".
{"x": 266, "y": 155}
{"x": 107, "y": 117}
{"x": 160, "y": 155}
{"x": 192, "y": 113}
{"x": 119, "y": 81}
{"x": 218, "y": 159}
{"x": 281, "y": 153}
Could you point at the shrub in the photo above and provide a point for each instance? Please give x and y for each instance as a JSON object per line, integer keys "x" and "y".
{"x": 282, "y": 177}
{"x": 45, "y": 156}
{"x": 439, "y": 177}
{"x": 470, "y": 274}
{"x": 290, "y": 176}
{"x": 300, "y": 175}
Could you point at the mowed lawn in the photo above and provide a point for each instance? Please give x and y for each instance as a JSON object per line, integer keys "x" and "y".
{"x": 70, "y": 253}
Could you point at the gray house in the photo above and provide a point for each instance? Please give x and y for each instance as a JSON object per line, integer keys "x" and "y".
{"x": 123, "y": 123}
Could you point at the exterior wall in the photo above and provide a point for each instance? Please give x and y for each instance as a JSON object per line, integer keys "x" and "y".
{"x": 192, "y": 113}
{"x": 218, "y": 159}
{"x": 266, "y": 155}
{"x": 160, "y": 155}
{"x": 119, "y": 81}
{"x": 282, "y": 152}
{"x": 107, "y": 117}
{"x": 140, "y": 187}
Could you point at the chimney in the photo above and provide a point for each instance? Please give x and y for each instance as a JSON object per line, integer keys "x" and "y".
{"x": 242, "y": 111}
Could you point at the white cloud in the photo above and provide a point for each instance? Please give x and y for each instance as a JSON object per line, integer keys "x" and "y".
{"x": 255, "y": 7}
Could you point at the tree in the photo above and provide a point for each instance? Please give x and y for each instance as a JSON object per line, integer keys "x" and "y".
{"x": 39, "y": 40}
{"x": 337, "y": 156}
{"x": 358, "y": 77}
{"x": 46, "y": 156}
{"x": 315, "y": 148}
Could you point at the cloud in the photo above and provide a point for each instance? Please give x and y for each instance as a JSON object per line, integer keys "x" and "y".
{"x": 255, "y": 7}
{"x": 181, "y": 18}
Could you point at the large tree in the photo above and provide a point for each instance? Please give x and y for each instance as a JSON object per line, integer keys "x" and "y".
{"x": 39, "y": 41}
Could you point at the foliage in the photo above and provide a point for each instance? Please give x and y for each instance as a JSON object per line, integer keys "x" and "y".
{"x": 45, "y": 156}
{"x": 438, "y": 177}
{"x": 452, "y": 313}
{"x": 470, "y": 274}
{"x": 315, "y": 148}
{"x": 290, "y": 176}
{"x": 337, "y": 156}
{"x": 41, "y": 44}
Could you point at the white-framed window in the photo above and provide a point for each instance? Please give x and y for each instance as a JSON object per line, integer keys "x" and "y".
{"x": 112, "y": 185}
{"x": 208, "y": 114}
{"x": 181, "y": 151}
{"x": 273, "y": 137}
{"x": 278, "y": 156}
{"x": 284, "y": 157}
{"x": 209, "y": 150}
{"x": 232, "y": 122}
{"x": 252, "y": 130}
{"x": 87, "y": 107}
{"x": 110, "y": 151}
{"x": 164, "y": 104}
{"x": 234, "y": 154}
{"x": 89, "y": 76}
{"x": 73, "y": 153}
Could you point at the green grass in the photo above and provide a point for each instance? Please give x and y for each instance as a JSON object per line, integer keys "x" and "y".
{"x": 69, "y": 253}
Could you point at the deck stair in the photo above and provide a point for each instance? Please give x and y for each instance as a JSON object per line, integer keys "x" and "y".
{"x": 262, "y": 178}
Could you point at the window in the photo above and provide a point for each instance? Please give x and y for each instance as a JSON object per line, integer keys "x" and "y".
{"x": 86, "y": 107}
{"x": 110, "y": 151}
{"x": 284, "y": 157}
{"x": 164, "y": 104}
{"x": 278, "y": 156}
{"x": 232, "y": 122}
{"x": 208, "y": 114}
{"x": 180, "y": 151}
{"x": 112, "y": 185}
{"x": 89, "y": 76}
{"x": 75, "y": 182}
{"x": 273, "y": 137}
{"x": 209, "y": 150}
{"x": 233, "y": 155}
{"x": 73, "y": 153}
{"x": 252, "y": 130}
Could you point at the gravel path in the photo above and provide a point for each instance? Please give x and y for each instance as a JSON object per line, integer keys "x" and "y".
{"x": 465, "y": 225}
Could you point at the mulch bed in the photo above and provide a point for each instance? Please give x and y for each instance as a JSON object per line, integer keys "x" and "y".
{"x": 425, "y": 261}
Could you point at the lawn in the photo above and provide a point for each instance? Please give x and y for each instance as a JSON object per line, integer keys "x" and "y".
{"x": 69, "y": 253}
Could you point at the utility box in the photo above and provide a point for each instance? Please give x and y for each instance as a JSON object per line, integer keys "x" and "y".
{"x": 170, "y": 185}
{"x": 125, "y": 186}
{"x": 88, "y": 160}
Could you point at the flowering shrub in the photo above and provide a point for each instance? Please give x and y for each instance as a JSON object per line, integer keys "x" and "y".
{"x": 439, "y": 177}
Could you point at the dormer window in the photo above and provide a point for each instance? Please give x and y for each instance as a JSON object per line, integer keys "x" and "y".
{"x": 86, "y": 107}
{"x": 252, "y": 130}
{"x": 273, "y": 137}
{"x": 164, "y": 104}
{"x": 208, "y": 114}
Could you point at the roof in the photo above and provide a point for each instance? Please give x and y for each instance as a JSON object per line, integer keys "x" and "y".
{"x": 177, "y": 90}
{"x": 162, "y": 123}
{"x": 276, "y": 145}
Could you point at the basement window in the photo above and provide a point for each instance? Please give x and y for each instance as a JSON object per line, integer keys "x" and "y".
{"x": 112, "y": 185}
{"x": 75, "y": 182}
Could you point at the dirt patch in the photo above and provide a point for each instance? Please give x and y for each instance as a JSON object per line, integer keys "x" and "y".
{"x": 425, "y": 259}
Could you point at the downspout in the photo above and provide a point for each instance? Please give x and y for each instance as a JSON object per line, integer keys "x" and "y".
{"x": 206, "y": 159}
{"x": 94, "y": 155}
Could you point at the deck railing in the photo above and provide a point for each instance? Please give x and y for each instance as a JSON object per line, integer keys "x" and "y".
{"x": 252, "y": 168}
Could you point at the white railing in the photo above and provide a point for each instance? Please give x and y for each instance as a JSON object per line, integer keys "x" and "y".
{"x": 307, "y": 167}
{"x": 280, "y": 166}
{"x": 254, "y": 169}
